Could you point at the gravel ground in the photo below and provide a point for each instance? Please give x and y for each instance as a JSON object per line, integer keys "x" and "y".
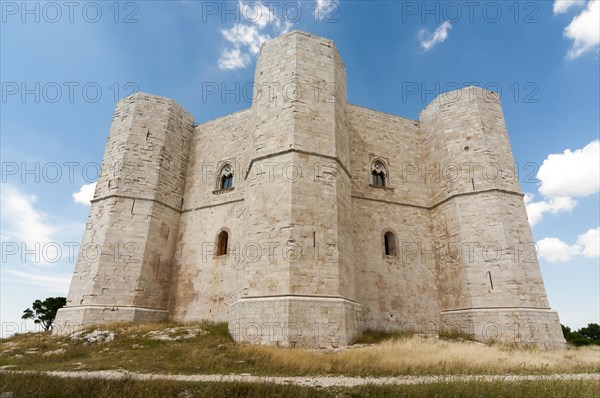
{"x": 314, "y": 381}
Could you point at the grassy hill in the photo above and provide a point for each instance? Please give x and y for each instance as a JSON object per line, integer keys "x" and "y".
{"x": 206, "y": 348}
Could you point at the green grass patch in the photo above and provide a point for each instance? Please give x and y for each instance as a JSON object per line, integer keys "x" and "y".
{"x": 46, "y": 386}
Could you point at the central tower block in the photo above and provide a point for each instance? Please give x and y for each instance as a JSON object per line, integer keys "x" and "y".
{"x": 299, "y": 289}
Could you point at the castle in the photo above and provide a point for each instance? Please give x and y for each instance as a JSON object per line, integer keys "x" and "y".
{"x": 305, "y": 220}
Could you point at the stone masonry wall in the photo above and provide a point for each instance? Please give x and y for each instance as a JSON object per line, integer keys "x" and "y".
{"x": 391, "y": 288}
{"x": 205, "y": 285}
{"x": 125, "y": 261}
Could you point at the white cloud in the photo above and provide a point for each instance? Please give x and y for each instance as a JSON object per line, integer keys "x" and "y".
{"x": 429, "y": 40}
{"x": 536, "y": 210}
{"x": 245, "y": 35}
{"x": 584, "y": 30}
{"x": 571, "y": 173}
{"x": 563, "y": 177}
{"x": 562, "y": 6}
{"x": 21, "y": 220}
{"x": 248, "y": 37}
{"x": 325, "y": 9}
{"x": 234, "y": 59}
{"x": 257, "y": 13}
{"x": 555, "y": 250}
{"x": 85, "y": 194}
{"x": 50, "y": 283}
{"x": 590, "y": 243}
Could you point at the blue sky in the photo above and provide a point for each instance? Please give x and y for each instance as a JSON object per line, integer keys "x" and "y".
{"x": 64, "y": 67}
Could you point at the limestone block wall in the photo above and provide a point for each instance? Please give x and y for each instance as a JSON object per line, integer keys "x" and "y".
{"x": 465, "y": 144}
{"x": 396, "y": 292}
{"x": 398, "y": 142}
{"x": 204, "y": 284}
{"x": 300, "y": 211}
{"x": 487, "y": 261}
{"x": 527, "y": 326}
{"x": 125, "y": 263}
{"x": 289, "y": 321}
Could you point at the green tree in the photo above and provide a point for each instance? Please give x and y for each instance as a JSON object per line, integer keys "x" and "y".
{"x": 44, "y": 312}
{"x": 584, "y": 336}
{"x": 567, "y": 332}
{"x": 591, "y": 332}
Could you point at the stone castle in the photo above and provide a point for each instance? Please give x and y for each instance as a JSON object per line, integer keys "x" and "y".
{"x": 305, "y": 220}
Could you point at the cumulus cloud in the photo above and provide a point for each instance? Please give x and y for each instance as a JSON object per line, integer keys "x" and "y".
{"x": 571, "y": 173}
{"x": 85, "y": 194}
{"x": 234, "y": 59}
{"x": 535, "y": 210}
{"x": 564, "y": 177}
{"x": 584, "y": 30}
{"x": 21, "y": 221}
{"x": 562, "y": 6}
{"x": 555, "y": 250}
{"x": 325, "y": 9}
{"x": 428, "y": 40}
{"x": 245, "y": 35}
{"x": 257, "y": 13}
{"x": 590, "y": 243}
{"x": 247, "y": 38}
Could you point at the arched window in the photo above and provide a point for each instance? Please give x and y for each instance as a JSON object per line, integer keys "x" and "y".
{"x": 222, "y": 243}
{"x": 389, "y": 244}
{"x": 226, "y": 177}
{"x": 379, "y": 174}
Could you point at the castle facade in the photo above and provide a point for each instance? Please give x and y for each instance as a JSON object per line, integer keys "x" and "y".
{"x": 305, "y": 220}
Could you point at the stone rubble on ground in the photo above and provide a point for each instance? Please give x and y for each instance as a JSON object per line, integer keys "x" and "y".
{"x": 96, "y": 336}
{"x": 174, "y": 334}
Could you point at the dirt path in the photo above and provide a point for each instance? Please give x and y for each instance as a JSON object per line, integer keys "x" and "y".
{"x": 314, "y": 381}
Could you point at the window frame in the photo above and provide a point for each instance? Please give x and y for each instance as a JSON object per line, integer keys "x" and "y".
{"x": 225, "y": 178}
{"x": 222, "y": 249}
{"x": 380, "y": 172}
{"x": 389, "y": 244}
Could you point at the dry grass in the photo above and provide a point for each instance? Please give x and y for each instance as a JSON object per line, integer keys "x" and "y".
{"x": 419, "y": 356}
{"x": 215, "y": 352}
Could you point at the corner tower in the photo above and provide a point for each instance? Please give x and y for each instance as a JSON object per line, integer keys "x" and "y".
{"x": 300, "y": 289}
{"x": 123, "y": 269}
{"x": 489, "y": 279}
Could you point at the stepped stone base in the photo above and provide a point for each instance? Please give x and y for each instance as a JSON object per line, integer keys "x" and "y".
{"x": 71, "y": 319}
{"x": 304, "y": 321}
{"x": 529, "y": 326}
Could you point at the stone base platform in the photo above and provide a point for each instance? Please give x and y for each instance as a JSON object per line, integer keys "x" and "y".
{"x": 529, "y": 326}
{"x": 295, "y": 321}
{"x": 71, "y": 319}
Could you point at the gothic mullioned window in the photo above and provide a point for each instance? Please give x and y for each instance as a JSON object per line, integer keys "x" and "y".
{"x": 226, "y": 177}
{"x": 379, "y": 174}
